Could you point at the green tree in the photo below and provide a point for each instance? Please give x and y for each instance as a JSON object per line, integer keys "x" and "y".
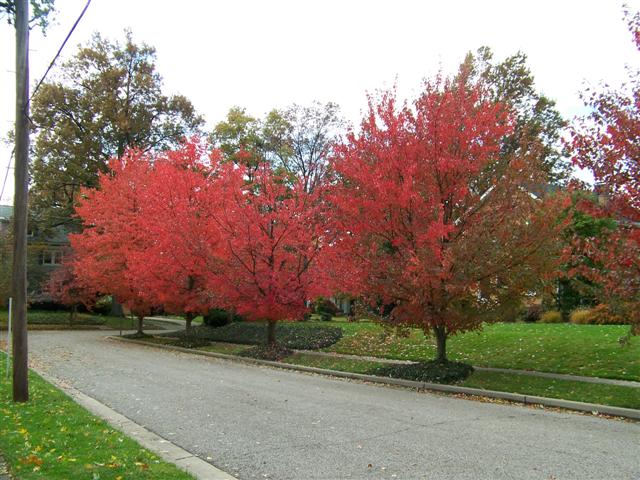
{"x": 41, "y": 12}
{"x": 538, "y": 122}
{"x": 107, "y": 98}
{"x": 296, "y": 140}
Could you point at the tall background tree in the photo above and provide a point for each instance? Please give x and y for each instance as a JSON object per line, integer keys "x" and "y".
{"x": 107, "y": 98}
{"x": 296, "y": 140}
{"x": 42, "y": 12}
{"x": 511, "y": 82}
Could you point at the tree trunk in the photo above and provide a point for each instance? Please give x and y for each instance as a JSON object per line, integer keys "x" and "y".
{"x": 271, "y": 332}
{"x": 441, "y": 343}
{"x": 72, "y": 314}
{"x": 140, "y": 321}
{"x": 188, "y": 318}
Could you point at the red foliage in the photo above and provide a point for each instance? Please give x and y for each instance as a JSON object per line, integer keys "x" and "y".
{"x": 111, "y": 235}
{"x": 176, "y": 218}
{"x": 272, "y": 234}
{"x": 435, "y": 221}
{"x": 66, "y": 288}
{"x": 608, "y": 144}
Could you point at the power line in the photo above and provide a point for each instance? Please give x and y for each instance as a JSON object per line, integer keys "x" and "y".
{"x": 60, "y": 49}
{"x": 6, "y": 174}
{"x": 4, "y": 183}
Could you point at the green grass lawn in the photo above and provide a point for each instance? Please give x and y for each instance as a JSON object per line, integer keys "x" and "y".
{"x": 226, "y": 348}
{"x": 53, "y": 438}
{"x": 590, "y": 350}
{"x": 613, "y": 395}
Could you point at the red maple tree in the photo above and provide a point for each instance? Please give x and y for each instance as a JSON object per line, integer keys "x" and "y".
{"x": 111, "y": 234}
{"x": 607, "y": 142}
{"x": 272, "y": 233}
{"x": 64, "y": 287}
{"x": 439, "y": 228}
{"x": 179, "y": 252}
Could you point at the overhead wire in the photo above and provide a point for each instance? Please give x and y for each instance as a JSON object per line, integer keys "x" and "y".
{"x": 35, "y": 90}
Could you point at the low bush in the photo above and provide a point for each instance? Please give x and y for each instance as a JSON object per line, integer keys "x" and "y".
{"x": 599, "y": 315}
{"x": 299, "y": 337}
{"x": 217, "y": 317}
{"x": 532, "y": 313}
{"x": 581, "y": 316}
{"x": 325, "y": 306}
{"x": 275, "y": 353}
{"x": 431, "y": 372}
{"x": 552, "y": 316}
{"x": 103, "y": 306}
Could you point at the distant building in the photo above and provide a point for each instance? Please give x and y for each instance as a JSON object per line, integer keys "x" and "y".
{"x": 44, "y": 254}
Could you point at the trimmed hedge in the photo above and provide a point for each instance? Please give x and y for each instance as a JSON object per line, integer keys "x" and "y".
{"x": 297, "y": 337}
{"x": 431, "y": 372}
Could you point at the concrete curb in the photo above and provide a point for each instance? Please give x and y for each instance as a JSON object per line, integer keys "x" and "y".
{"x": 163, "y": 448}
{"x": 592, "y": 408}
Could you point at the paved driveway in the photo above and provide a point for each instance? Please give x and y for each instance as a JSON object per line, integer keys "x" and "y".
{"x": 257, "y": 422}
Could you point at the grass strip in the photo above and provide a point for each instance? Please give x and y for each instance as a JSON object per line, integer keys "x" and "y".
{"x": 53, "y": 438}
{"x": 589, "y": 350}
{"x": 613, "y": 395}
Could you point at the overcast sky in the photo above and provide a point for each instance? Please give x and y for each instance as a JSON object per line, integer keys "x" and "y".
{"x": 262, "y": 54}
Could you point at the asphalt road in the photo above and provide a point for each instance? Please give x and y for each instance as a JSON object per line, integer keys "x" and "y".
{"x": 258, "y": 422}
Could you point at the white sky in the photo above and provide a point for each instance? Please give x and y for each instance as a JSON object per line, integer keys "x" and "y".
{"x": 262, "y": 54}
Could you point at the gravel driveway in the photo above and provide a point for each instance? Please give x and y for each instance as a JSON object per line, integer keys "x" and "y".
{"x": 258, "y": 422}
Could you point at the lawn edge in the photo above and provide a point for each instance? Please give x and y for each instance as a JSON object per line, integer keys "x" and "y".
{"x": 591, "y": 408}
{"x": 162, "y": 447}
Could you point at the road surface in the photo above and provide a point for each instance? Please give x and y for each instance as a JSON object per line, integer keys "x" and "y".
{"x": 263, "y": 423}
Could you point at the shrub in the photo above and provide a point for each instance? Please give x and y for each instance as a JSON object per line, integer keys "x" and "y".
{"x": 431, "y": 372}
{"x": 532, "y": 313}
{"x": 325, "y": 316}
{"x": 326, "y": 306}
{"x": 599, "y": 315}
{"x": 552, "y": 316}
{"x": 217, "y": 317}
{"x": 603, "y": 314}
{"x": 103, "y": 305}
{"x": 298, "y": 337}
{"x": 581, "y": 316}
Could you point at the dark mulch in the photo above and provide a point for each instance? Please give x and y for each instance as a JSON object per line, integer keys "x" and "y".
{"x": 274, "y": 353}
{"x": 299, "y": 337}
{"x": 137, "y": 336}
{"x": 431, "y": 372}
{"x": 190, "y": 342}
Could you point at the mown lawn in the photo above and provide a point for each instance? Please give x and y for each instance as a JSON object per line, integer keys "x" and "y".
{"x": 613, "y": 395}
{"x": 590, "y": 350}
{"x": 53, "y": 438}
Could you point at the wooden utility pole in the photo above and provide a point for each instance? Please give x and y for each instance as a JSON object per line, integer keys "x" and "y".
{"x": 19, "y": 271}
